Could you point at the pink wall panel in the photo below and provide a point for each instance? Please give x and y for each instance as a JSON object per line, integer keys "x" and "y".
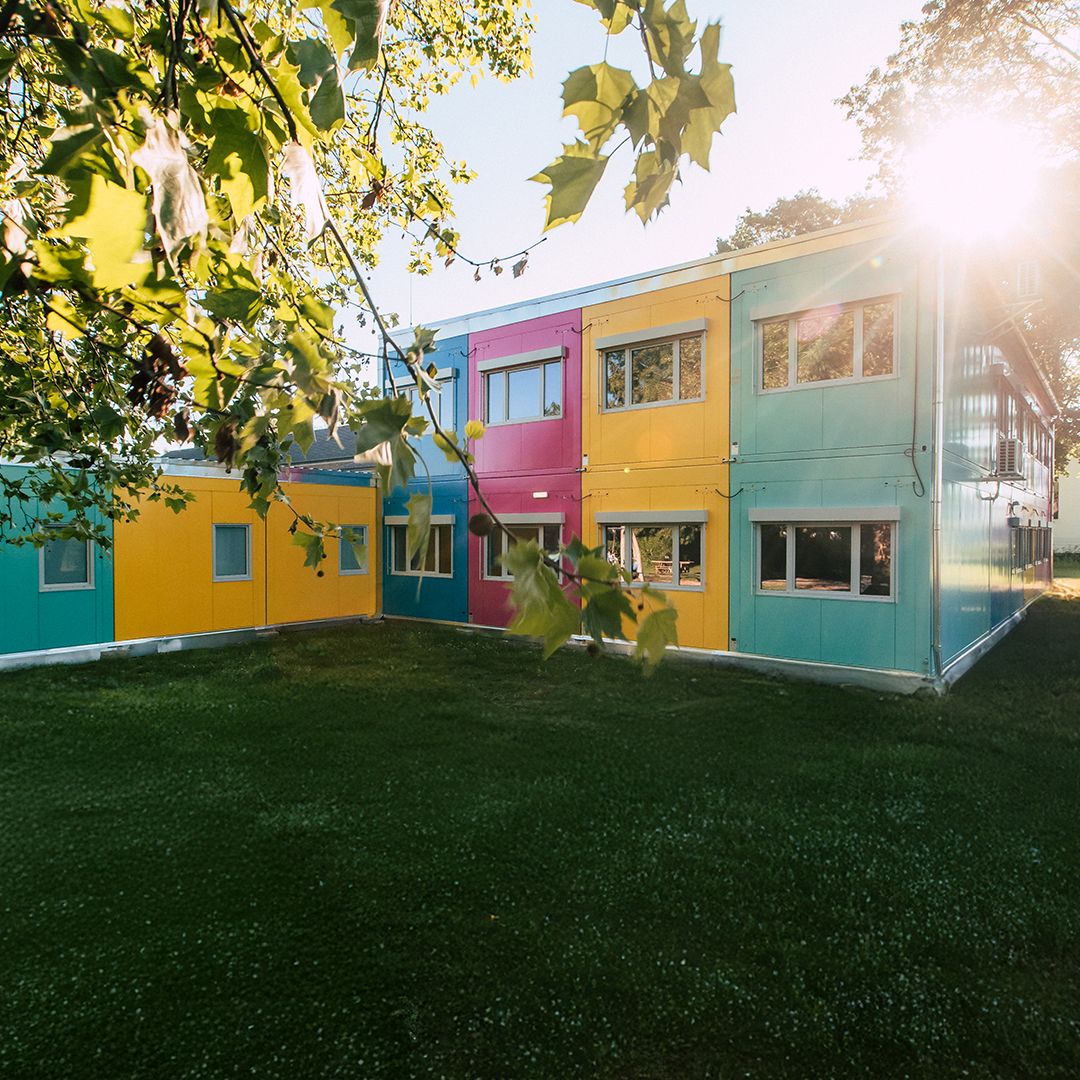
{"x": 536, "y": 445}
{"x": 514, "y": 495}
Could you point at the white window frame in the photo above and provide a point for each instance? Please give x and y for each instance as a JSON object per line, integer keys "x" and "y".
{"x": 793, "y": 319}
{"x": 79, "y": 586}
{"x": 839, "y": 522}
{"x": 343, "y": 544}
{"x": 396, "y": 527}
{"x": 659, "y": 520}
{"x": 444, "y": 389}
{"x": 246, "y": 526}
{"x": 674, "y": 335}
{"x": 537, "y": 360}
{"x": 539, "y": 522}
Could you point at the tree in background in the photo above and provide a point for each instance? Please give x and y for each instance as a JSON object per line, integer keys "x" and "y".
{"x": 1016, "y": 61}
{"x": 803, "y": 212}
{"x": 193, "y": 192}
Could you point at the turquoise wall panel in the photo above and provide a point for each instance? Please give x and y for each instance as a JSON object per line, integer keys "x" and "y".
{"x": 835, "y": 446}
{"x": 33, "y": 619}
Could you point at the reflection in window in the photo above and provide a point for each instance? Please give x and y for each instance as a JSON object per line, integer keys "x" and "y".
{"x": 442, "y": 401}
{"x": 823, "y": 558}
{"x": 232, "y": 551}
{"x": 857, "y": 341}
{"x": 773, "y": 574}
{"x": 825, "y": 347}
{"x": 549, "y": 537}
{"x": 653, "y": 373}
{"x": 657, "y": 554}
{"x": 351, "y": 561}
{"x": 799, "y": 559}
{"x": 523, "y": 393}
{"x": 65, "y": 564}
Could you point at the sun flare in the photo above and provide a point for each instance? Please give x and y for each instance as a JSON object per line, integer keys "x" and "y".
{"x": 975, "y": 176}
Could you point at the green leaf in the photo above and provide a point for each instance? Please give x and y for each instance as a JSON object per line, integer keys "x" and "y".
{"x": 380, "y": 439}
{"x": 605, "y": 609}
{"x": 327, "y": 106}
{"x": 647, "y": 193}
{"x": 312, "y": 545}
{"x": 596, "y": 95}
{"x": 573, "y": 178}
{"x": 541, "y": 608}
{"x": 69, "y": 146}
{"x": 614, "y": 14}
{"x": 655, "y": 633}
{"x": 418, "y": 529}
{"x": 365, "y": 19}
{"x": 238, "y": 157}
{"x": 112, "y": 221}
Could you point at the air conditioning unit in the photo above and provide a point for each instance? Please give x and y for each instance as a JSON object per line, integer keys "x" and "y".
{"x": 1010, "y": 459}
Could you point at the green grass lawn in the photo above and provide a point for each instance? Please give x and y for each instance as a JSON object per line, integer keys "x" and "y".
{"x": 404, "y": 851}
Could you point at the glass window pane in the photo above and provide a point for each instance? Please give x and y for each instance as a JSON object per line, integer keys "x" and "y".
{"x": 496, "y": 397}
{"x": 445, "y": 564}
{"x": 524, "y": 395}
{"x": 774, "y": 365}
{"x": 823, "y": 558}
{"x": 613, "y": 541}
{"x": 553, "y": 389}
{"x": 348, "y": 561}
{"x": 773, "y": 576}
{"x": 615, "y": 379}
{"x": 651, "y": 551}
{"x": 494, "y": 552}
{"x": 875, "y": 560}
{"x": 690, "y": 367}
{"x": 651, "y": 370}
{"x": 877, "y": 357}
{"x": 397, "y": 542}
{"x": 551, "y": 539}
{"x": 231, "y": 551}
{"x": 826, "y": 347}
{"x": 66, "y": 562}
{"x": 689, "y": 554}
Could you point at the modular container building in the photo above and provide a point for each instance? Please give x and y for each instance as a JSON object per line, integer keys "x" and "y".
{"x": 438, "y": 589}
{"x": 56, "y": 596}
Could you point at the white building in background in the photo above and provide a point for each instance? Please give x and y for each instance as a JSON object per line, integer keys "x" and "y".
{"x": 1067, "y": 525}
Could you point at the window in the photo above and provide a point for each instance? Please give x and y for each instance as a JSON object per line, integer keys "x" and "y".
{"x": 349, "y": 561}
{"x": 232, "y": 553}
{"x": 653, "y": 373}
{"x": 848, "y": 559}
{"x": 442, "y": 401}
{"x": 440, "y": 552}
{"x": 64, "y": 564}
{"x": 548, "y": 536}
{"x": 855, "y": 341}
{"x": 519, "y": 393}
{"x": 662, "y": 554}
{"x": 1031, "y": 545}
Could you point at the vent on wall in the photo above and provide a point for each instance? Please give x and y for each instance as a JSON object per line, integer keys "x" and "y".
{"x": 1010, "y": 459}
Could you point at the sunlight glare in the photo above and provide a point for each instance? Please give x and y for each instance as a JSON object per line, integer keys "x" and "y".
{"x": 974, "y": 176}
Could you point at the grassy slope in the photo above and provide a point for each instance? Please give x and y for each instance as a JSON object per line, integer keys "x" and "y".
{"x": 256, "y": 862}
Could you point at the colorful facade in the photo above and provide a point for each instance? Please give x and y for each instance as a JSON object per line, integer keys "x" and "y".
{"x": 832, "y": 452}
{"x": 439, "y": 589}
{"x": 56, "y": 596}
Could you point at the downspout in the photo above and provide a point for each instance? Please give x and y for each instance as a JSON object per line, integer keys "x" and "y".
{"x": 936, "y": 446}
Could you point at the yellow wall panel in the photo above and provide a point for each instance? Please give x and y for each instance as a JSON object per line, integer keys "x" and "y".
{"x": 164, "y": 562}
{"x": 703, "y": 614}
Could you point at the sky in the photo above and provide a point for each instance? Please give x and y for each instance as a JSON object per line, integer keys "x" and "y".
{"x": 791, "y": 59}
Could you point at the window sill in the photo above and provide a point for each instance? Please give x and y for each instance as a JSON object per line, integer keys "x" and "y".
{"x": 526, "y": 420}
{"x": 226, "y": 580}
{"x": 821, "y": 594}
{"x": 855, "y": 380}
{"x": 86, "y": 586}
{"x": 417, "y": 574}
{"x": 651, "y": 405}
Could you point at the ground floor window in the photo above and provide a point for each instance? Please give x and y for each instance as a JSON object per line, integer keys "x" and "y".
{"x": 668, "y": 554}
{"x": 852, "y": 559}
{"x": 1031, "y": 545}
{"x": 548, "y": 536}
{"x": 232, "y": 552}
{"x": 439, "y": 561}
{"x": 65, "y": 563}
{"x": 349, "y": 560}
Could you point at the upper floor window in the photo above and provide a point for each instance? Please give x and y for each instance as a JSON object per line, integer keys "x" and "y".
{"x": 232, "y": 552}
{"x": 65, "y": 564}
{"x": 519, "y": 393}
{"x": 847, "y": 342}
{"x": 657, "y": 372}
{"x": 442, "y": 401}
